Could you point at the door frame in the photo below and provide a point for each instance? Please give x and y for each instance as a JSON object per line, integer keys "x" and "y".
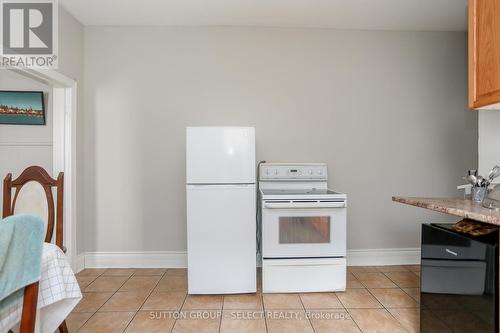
{"x": 64, "y": 107}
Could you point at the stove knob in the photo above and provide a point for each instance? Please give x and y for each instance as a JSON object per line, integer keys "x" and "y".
{"x": 310, "y": 171}
{"x": 319, "y": 172}
{"x": 268, "y": 171}
{"x": 276, "y": 171}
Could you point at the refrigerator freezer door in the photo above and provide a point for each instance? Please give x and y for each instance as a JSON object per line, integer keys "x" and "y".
{"x": 221, "y": 239}
{"x": 220, "y": 155}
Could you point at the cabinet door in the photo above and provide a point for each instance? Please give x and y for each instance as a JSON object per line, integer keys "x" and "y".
{"x": 484, "y": 53}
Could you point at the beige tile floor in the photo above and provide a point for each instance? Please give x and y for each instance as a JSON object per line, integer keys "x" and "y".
{"x": 377, "y": 299}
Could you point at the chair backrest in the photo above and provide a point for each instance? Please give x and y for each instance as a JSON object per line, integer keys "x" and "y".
{"x": 28, "y": 177}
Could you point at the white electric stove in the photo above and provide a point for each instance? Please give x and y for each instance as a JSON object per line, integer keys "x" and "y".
{"x": 303, "y": 229}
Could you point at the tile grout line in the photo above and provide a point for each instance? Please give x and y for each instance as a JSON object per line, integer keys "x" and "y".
{"x": 263, "y": 308}
{"x": 383, "y": 306}
{"x": 347, "y": 310}
{"x": 407, "y": 269}
{"x": 95, "y": 278}
{"x": 309, "y": 319}
{"x": 265, "y": 311}
{"x": 180, "y": 310}
{"x": 92, "y": 277}
{"x": 98, "y": 307}
{"x": 384, "y": 274}
{"x": 397, "y": 287}
{"x": 261, "y": 295}
{"x": 354, "y": 321}
{"x": 114, "y": 291}
{"x": 139, "y": 309}
{"x": 390, "y": 313}
{"x": 368, "y": 290}
{"x": 380, "y": 303}
{"x": 221, "y": 313}
{"x": 102, "y": 274}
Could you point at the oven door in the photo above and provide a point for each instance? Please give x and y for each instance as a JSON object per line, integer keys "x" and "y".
{"x": 303, "y": 228}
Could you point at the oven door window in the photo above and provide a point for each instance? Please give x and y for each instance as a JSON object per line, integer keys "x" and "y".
{"x": 304, "y": 229}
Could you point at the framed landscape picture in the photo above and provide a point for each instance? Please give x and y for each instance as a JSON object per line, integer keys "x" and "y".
{"x": 22, "y": 108}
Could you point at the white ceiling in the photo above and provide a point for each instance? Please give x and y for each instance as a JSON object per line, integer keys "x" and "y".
{"x": 446, "y": 15}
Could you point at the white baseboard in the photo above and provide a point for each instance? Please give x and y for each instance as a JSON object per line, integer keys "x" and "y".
{"x": 145, "y": 259}
{"x": 178, "y": 259}
{"x": 380, "y": 257}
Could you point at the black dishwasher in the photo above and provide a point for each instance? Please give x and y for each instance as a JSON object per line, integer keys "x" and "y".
{"x": 459, "y": 281}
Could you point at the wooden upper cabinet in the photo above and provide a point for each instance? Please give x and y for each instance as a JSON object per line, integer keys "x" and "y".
{"x": 484, "y": 53}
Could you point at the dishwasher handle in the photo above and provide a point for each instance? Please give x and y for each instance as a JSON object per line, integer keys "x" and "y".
{"x": 302, "y": 204}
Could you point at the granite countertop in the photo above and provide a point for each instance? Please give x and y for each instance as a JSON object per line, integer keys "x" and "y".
{"x": 454, "y": 206}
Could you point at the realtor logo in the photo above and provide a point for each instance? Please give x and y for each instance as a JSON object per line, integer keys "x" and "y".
{"x": 29, "y": 33}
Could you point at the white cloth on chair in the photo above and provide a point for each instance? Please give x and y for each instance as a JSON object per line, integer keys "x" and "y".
{"x": 58, "y": 294}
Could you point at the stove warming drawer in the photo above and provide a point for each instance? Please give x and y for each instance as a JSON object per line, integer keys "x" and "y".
{"x": 303, "y": 275}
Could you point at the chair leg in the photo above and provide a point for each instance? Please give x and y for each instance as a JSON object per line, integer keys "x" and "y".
{"x": 63, "y": 328}
{"x": 28, "y": 316}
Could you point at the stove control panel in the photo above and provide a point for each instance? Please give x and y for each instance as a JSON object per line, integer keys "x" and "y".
{"x": 293, "y": 172}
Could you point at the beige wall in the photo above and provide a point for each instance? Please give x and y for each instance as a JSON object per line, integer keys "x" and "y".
{"x": 385, "y": 110}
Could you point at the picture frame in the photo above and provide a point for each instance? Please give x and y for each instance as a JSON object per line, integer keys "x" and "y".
{"x": 22, "y": 107}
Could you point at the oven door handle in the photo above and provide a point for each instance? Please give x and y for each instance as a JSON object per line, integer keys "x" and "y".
{"x": 316, "y": 204}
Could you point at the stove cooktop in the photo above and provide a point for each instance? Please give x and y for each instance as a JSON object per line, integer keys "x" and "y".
{"x": 301, "y": 194}
{"x": 298, "y": 192}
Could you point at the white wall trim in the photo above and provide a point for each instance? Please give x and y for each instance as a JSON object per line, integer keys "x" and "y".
{"x": 178, "y": 259}
{"x": 376, "y": 257}
{"x": 143, "y": 259}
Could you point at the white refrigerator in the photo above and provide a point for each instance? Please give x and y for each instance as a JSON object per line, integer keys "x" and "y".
{"x": 220, "y": 190}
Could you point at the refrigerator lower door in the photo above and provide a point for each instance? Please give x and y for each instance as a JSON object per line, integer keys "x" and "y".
{"x": 221, "y": 239}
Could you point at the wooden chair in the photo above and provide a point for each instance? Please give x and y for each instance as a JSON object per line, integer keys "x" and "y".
{"x": 55, "y": 216}
{"x": 28, "y": 315}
